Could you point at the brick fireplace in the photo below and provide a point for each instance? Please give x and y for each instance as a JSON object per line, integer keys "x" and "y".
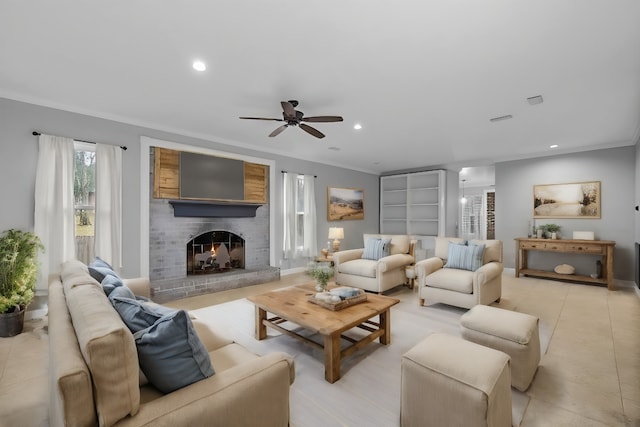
{"x": 169, "y": 237}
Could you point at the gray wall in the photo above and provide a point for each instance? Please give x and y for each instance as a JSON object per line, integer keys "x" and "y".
{"x": 19, "y": 151}
{"x": 614, "y": 168}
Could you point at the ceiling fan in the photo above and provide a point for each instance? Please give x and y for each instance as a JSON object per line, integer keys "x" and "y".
{"x": 293, "y": 117}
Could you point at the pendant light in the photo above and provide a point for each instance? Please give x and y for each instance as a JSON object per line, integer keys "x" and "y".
{"x": 463, "y": 199}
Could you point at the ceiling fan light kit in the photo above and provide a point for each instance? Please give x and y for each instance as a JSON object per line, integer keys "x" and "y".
{"x": 293, "y": 117}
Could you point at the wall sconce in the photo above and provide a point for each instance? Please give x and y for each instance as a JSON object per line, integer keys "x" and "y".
{"x": 336, "y": 233}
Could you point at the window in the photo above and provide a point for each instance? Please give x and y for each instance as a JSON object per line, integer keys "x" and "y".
{"x": 84, "y": 192}
{"x": 299, "y": 236}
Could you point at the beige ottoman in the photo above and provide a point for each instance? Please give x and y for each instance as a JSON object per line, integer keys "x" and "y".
{"x": 447, "y": 381}
{"x": 514, "y": 333}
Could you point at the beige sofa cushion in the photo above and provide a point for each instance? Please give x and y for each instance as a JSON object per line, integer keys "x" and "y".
{"x": 71, "y": 391}
{"x": 451, "y": 279}
{"x": 109, "y": 351}
{"x": 359, "y": 267}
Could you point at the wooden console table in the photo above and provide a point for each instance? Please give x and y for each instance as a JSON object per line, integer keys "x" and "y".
{"x": 604, "y": 248}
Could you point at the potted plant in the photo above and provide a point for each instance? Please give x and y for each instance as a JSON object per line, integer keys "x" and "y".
{"x": 322, "y": 272}
{"x": 18, "y": 275}
{"x": 551, "y": 230}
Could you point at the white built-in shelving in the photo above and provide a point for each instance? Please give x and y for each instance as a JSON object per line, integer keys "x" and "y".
{"x": 413, "y": 203}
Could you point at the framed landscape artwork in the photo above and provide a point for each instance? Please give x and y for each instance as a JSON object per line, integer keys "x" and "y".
{"x": 345, "y": 203}
{"x": 573, "y": 200}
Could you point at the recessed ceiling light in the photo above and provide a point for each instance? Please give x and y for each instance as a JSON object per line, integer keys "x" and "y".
{"x": 199, "y": 66}
{"x": 497, "y": 119}
{"x": 535, "y": 100}
{"x": 357, "y": 126}
{"x": 553, "y": 146}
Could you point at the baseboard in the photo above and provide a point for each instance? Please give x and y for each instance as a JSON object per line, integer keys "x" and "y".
{"x": 293, "y": 271}
{"x": 511, "y": 271}
{"x": 36, "y": 314}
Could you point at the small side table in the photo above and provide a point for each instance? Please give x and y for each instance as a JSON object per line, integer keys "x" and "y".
{"x": 410, "y": 272}
{"x": 328, "y": 259}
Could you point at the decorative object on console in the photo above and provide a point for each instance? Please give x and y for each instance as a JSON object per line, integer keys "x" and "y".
{"x": 565, "y": 269}
{"x": 550, "y": 230}
{"x": 583, "y": 235}
{"x": 573, "y": 200}
{"x": 336, "y": 233}
{"x": 345, "y": 203}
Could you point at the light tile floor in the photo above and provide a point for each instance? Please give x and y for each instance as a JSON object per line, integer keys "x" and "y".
{"x": 590, "y": 375}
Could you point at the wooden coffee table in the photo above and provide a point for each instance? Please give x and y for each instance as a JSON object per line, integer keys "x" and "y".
{"x": 291, "y": 305}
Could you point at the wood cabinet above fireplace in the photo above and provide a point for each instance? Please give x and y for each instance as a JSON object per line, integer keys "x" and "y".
{"x": 248, "y": 179}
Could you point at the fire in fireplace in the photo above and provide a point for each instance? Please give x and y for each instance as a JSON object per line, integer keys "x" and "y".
{"x": 215, "y": 251}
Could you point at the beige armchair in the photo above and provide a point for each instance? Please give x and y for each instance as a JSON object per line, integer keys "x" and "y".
{"x": 375, "y": 275}
{"x": 461, "y": 287}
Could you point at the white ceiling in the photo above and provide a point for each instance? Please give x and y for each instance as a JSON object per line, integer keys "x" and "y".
{"x": 422, "y": 77}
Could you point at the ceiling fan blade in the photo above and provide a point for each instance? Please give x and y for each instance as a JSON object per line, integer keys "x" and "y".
{"x": 322, "y": 119}
{"x": 289, "y": 110}
{"x": 313, "y": 131}
{"x": 278, "y": 130}
{"x": 262, "y": 118}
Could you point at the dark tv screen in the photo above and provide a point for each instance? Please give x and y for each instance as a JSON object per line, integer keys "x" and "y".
{"x": 210, "y": 177}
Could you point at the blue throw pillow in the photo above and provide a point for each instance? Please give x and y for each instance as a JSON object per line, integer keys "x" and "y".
{"x": 121, "y": 292}
{"x": 99, "y": 272}
{"x": 137, "y": 314}
{"x": 109, "y": 283}
{"x": 464, "y": 257}
{"x": 99, "y": 262}
{"x": 375, "y": 249}
{"x": 171, "y": 354}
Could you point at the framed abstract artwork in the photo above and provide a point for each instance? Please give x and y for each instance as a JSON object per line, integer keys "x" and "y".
{"x": 345, "y": 203}
{"x": 572, "y": 200}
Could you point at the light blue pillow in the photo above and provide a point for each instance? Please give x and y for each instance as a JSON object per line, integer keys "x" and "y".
{"x": 171, "y": 354}
{"x": 464, "y": 257}
{"x": 375, "y": 249}
{"x": 100, "y": 272}
{"x": 109, "y": 283}
{"x": 99, "y": 262}
{"x": 137, "y": 314}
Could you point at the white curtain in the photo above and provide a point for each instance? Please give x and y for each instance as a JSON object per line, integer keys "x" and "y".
{"x": 290, "y": 189}
{"x": 310, "y": 248}
{"x": 108, "y": 223}
{"x": 299, "y": 240}
{"x": 54, "y": 204}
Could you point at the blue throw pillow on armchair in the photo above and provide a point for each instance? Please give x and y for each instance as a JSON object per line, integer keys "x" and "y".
{"x": 463, "y": 257}
{"x": 374, "y": 248}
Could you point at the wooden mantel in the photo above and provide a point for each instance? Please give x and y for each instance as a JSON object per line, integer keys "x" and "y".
{"x": 604, "y": 248}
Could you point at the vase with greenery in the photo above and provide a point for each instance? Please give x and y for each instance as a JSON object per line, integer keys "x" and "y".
{"x": 551, "y": 230}
{"x": 322, "y": 272}
{"x": 18, "y": 275}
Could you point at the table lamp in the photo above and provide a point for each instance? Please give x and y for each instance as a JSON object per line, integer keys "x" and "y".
{"x": 336, "y": 233}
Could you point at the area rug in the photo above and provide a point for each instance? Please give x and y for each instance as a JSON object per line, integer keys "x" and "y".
{"x": 368, "y": 392}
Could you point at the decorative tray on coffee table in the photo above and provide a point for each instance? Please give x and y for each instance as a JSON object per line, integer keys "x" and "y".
{"x": 343, "y": 303}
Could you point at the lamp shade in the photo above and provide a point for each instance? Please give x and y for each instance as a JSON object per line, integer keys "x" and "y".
{"x": 336, "y": 233}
